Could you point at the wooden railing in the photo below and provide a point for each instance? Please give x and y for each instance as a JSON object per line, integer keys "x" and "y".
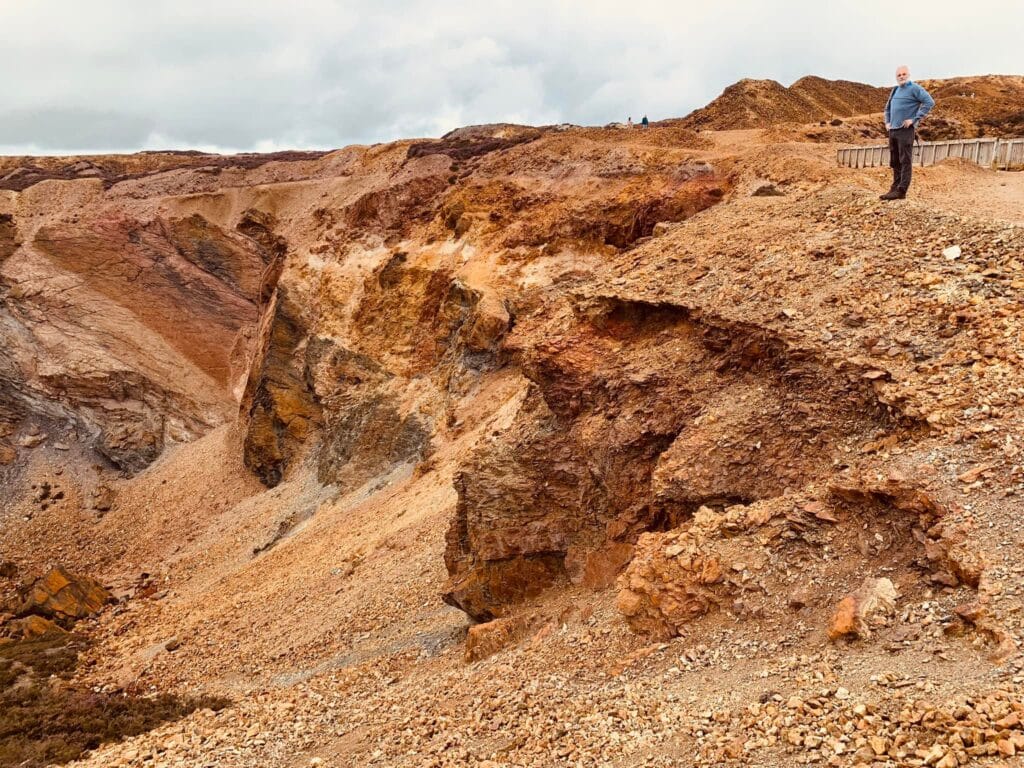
{"x": 992, "y": 153}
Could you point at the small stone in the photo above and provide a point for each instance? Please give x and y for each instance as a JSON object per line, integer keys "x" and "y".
{"x": 972, "y": 612}
{"x": 879, "y": 745}
{"x": 864, "y": 755}
{"x": 952, "y": 253}
{"x": 102, "y": 498}
{"x": 31, "y": 441}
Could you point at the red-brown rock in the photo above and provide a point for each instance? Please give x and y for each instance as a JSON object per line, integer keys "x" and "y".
{"x": 64, "y": 596}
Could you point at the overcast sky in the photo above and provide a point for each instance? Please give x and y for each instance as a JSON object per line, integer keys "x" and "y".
{"x": 227, "y": 75}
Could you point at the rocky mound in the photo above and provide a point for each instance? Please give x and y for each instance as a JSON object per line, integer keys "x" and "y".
{"x": 761, "y": 103}
{"x": 966, "y": 107}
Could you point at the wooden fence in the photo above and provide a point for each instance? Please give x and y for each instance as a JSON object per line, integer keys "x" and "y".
{"x": 992, "y": 153}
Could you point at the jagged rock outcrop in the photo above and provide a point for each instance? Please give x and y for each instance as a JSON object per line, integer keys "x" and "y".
{"x": 351, "y": 383}
{"x": 64, "y": 597}
{"x": 369, "y": 343}
{"x": 638, "y": 414}
{"x": 277, "y": 403}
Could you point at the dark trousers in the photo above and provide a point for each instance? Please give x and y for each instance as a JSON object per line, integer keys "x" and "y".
{"x": 901, "y": 157}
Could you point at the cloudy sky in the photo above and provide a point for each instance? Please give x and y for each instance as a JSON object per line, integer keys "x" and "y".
{"x": 232, "y": 75}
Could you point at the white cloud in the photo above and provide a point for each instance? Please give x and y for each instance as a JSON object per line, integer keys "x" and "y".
{"x": 123, "y": 75}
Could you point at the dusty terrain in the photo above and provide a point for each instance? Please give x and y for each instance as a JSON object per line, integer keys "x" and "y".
{"x": 528, "y": 447}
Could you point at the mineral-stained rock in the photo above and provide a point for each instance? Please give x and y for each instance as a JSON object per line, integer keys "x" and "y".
{"x": 873, "y": 602}
{"x": 484, "y": 593}
{"x": 7, "y": 454}
{"x": 64, "y": 596}
{"x": 8, "y": 236}
{"x": 346, "y": 375}
{"x": 122, "y": 327}
{"x": 598, "y": 568}
{"x": 947, "y": 548}
{"x": 973, "y": 612}
{"x": 278, "y": 406}
{"x": 678, "y": 577}
{"x": 637, "y": 415}
{"x": 483, "y": 640}
{"x": 737, "y": 454}
{"x": 31, "y": 627}
{"x": 845, "y": 620}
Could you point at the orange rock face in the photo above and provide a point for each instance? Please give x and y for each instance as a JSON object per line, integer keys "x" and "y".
{"x": 365, "y": 353}
{"x": 845, "y": 620}
{"x": 32, "y": 627}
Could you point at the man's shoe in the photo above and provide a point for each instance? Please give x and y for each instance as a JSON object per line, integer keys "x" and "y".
{"x": 892, "y": 194}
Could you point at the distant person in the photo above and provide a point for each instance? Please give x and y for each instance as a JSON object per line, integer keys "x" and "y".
{"x": 629, "y": 121}
{"x": 645, "y": 122}
{"x": 908, "y": 103}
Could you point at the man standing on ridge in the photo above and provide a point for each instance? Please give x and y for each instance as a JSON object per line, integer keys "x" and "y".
{"x": 907, "y": 104}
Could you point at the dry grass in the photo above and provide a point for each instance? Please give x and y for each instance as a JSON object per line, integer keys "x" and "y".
{"x": 43, "y": 720}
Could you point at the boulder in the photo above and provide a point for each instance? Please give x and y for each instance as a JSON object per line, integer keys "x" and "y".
{"x": 64, "y": 596}
{"x": 869, "y": 606}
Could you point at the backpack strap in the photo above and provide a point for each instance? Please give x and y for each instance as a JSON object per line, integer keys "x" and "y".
{"x": 889, "y": 100}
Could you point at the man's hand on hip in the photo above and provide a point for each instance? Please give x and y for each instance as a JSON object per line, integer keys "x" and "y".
{"x": 888, "y": 127}
{"x": 907, "y": 123}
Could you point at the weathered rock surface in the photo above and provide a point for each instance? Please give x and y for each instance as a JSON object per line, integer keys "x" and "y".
{"x": 740, "y": 559}
{"x": 117, "y": 329}
{"x": 639, "y": 414}
{"x": 64, "y": 596}
{"x": 31, "y": 627}
{"x": 366, "y": 351}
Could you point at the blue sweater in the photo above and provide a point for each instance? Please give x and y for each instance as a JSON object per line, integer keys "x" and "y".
{"x": 907, "y": 102}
